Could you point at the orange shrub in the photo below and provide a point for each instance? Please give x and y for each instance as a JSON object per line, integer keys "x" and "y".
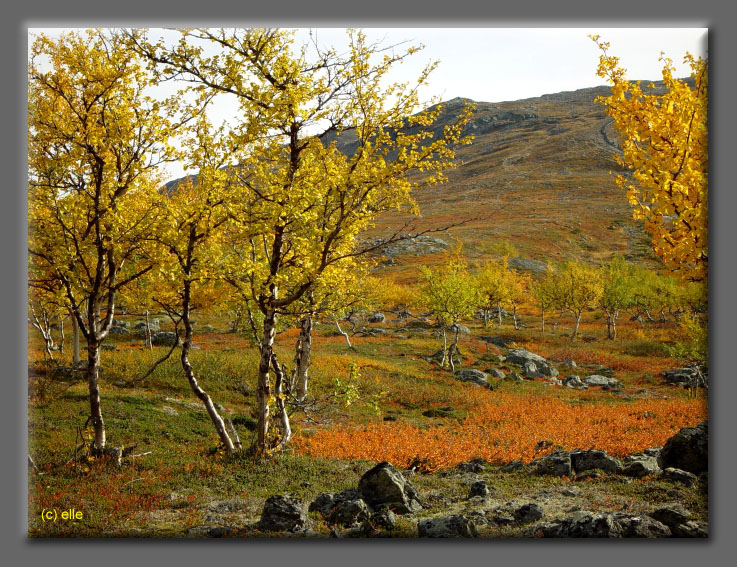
{"x": 509, "y": 428}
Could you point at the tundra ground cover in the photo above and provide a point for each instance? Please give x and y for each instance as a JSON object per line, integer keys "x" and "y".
{"x": 384, "y": 422}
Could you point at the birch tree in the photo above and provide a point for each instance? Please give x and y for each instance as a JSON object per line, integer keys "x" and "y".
{"x": 302, "y": 202}
{"x": 95, "y": 140}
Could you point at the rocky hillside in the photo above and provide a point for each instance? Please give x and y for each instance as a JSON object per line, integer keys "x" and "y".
{"x": 538, "y": 175}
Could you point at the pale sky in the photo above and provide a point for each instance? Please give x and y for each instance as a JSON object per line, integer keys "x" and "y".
{"x": 504, "y": 64}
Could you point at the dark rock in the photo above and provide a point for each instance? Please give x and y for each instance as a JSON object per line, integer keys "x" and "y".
{"x": 386, "y": 519}
{"x": 377, "y": 318}
{"x": 594, "y": 459}
{"x": 640, "y": 465}
{"x": 282, "y": 513}
{"x": 512, "y": 466}
{"x": 323, "y": 504}
{"x": 349, "y": 512}
{"x": 688, "y": 449}
{"x": 473, "y": 375}
{"x": 164, "y": 338}
{"x": 385, "y": 485}
{"x": 479, "y": 488}
{"x": 691, "y": 528}
{"x": 496, "y": 373}
{"x": 449, "y": 526}
{"x": 119, "y": 331}
{"x": 471, "y": 466}
{"x": 222, "y": 531}
{"x": 499, "y": 341}
{"x": 688, "y": 376}
{"x": 671, "y": 514}
{"x": 555, "y": 464}
{"x": 590, "y": 525}
{"x": 678, "y": 475}
{"x": 527, "y": 513}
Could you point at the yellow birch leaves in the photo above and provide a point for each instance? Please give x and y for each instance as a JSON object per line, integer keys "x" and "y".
{"x": 665, "y": 144}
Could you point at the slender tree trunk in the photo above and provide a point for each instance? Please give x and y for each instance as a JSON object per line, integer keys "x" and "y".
{"x": 486, "y": 317}
{"x": 263, "y": 391}
{"x": 345, "y": 335}
{"x": 611, "y": 324}
{"x": 286, "y": 430}
{"x": 499, "y": 314}
{"x": 614, "y": 325}
{"x": 453, "y": 349}
{"x": 575, "y": 329}
{"x": 93, "y": 375}
{"x": 445, "y": 348}
{"x": 302, "y": 357}
{"x": 560, "y": 316}
{"x": 514, "y": 317}
{"x": 75, "y": 341}
{"x": 149, "y": 343}
{"x": 61, "y": 335}
{"x": 189, "y": 372}
{"x": 543, "y": 318}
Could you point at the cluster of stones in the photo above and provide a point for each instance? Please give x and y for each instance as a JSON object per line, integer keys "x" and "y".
{"x": 533, "y": 366}
{"x": 683, "y": 456}
{"x": 382, "y": 494}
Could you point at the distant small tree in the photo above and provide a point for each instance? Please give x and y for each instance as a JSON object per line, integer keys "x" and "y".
{"x": 618, "y": 291}
{"x": 580, "y": 288}
{"x": 544, "y": 291}
{"x": 451, "y": 294}
{"x": 517, "y": 285}
{"x": 491, "y": 281}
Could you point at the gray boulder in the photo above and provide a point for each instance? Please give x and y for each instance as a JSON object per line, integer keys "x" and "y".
{"x": 119, "y": 331}
{"x": 473, "y": 375}
{"x": 350, "y": 512}
{"x": 462, "y": 329}
{"x": 385, "y": 519}
{"x": 527, "y": 513}
{"x": 377, "y": 318}
{"x": 457, "y": 526}
{"x": 688, "y": 449}
{"x": 671, "y": 515}
{"x": 677, "y": 475}
{"x": 605, "y": 382}
{"x": 478, "y": 488}
{"x": 496, "y": 373}
{"x": 692, "y": 528}
{"x": 282, "y": 513}
{"x": 574, "y": 382}
{"x": 164, "y": 338}
{"x": 384, "y": 485}
{"x": 530, "y": 370}
{"x": 640, "y": 465}
{"x": 594, "y": 459}
{"x": 555, "y": 464}
{"x": 585, "y": 524}
{"x": 520, "y": 356}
